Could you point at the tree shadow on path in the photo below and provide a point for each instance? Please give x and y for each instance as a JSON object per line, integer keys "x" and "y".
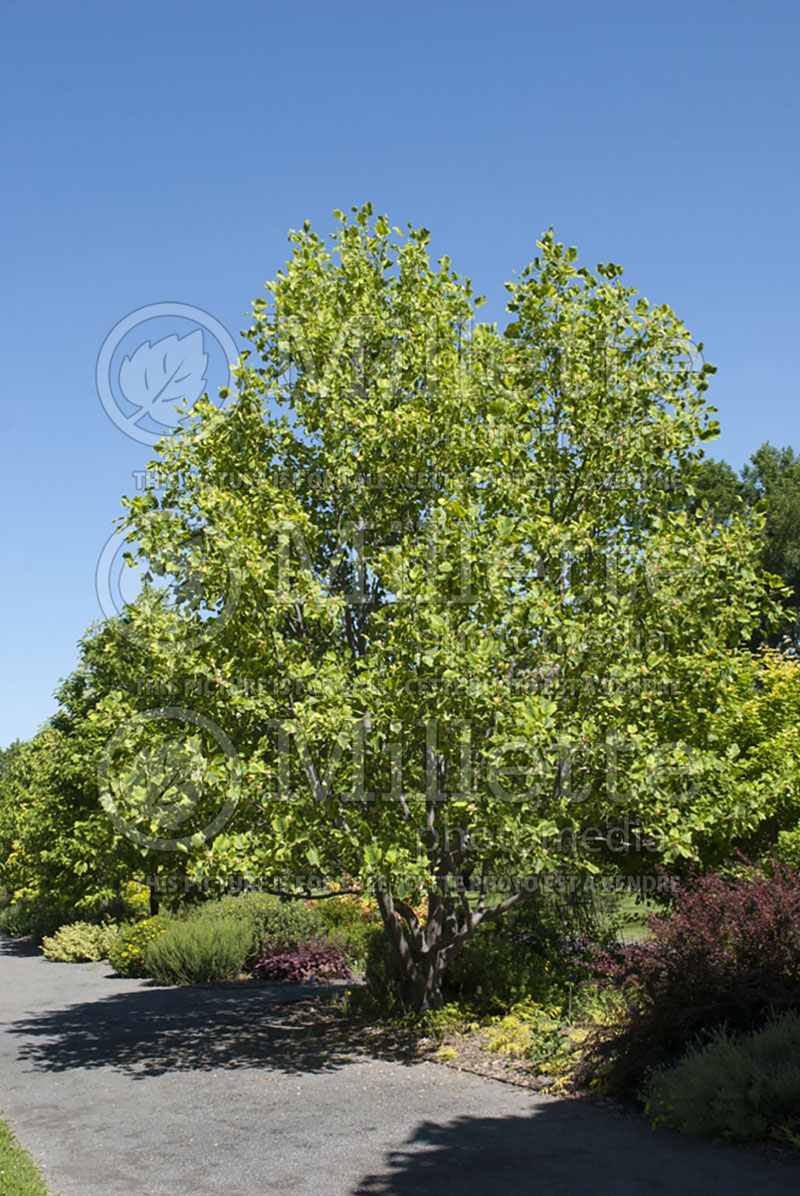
{"x": 18, "y": 948}
{"x": 153, "y": 1031}
{"x": 564, "y": 1148}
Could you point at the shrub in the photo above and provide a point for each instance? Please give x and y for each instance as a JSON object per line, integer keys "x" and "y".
{"x": 531, "y": 952}
{"x": 383, "y": 994}
{"x": 451, "y": 1019}
{"x": 135, "y": 898}
{"x": 199, "y": 951}
{"x": 319, "y": 960}
{"x": 528, "y": 1031}
{"x": 727, "y": 953}
{"x": 272, "y": 921}
{"x": 496, "y": 968}
{"x": 36, "y": 917}
{"x": 733, "y": 1088}
{"x": 127, "y": 955}
{"x": 80, "y": 942}
{"x": 349, "y": 921}
{"x": 40, "y": 916}
{"x": 10, "y": 919}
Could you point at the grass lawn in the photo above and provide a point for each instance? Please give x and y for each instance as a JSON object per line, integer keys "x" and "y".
{"x": 18, "y": 1175}
{"x": 635, "y": 914}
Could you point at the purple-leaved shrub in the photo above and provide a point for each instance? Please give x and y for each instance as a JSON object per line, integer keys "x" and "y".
{"x": 727, "y": 953}
{"x": 316, "y": 960}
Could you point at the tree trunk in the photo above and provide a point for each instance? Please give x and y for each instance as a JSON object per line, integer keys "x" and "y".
{"x": 428, "y": 983}
{"x": 424, "y": 959}
{"x": 424, "y": 955}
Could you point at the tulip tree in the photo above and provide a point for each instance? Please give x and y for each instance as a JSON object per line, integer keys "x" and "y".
{"x": 451, "y": 621}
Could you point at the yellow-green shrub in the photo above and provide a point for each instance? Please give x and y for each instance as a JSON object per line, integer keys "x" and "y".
{"x": 80, "y": 942}
{"x": 136, "y": 897}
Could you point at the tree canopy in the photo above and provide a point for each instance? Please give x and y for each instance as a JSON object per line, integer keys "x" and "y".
{"x": 466, "y": 623}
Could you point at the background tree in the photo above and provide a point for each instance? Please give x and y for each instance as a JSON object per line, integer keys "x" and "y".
{"x": 715, "y": 484}
{"x": 773, "y": 477}
{"x": 769, "y": 483}
{"x": 57, "y": 840}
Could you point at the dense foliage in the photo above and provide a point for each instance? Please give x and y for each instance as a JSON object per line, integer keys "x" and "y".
{"x": 734, "y": 1087}
{"x": 58, "y": 845}
{"x": 769, "y": 482}
{"x": 727, "y": 953}
{"x": 35, "y": 917}
{"x": 271, "y": 922}
{"x": 754, "y": 783}
{"x": 245, "y": 934}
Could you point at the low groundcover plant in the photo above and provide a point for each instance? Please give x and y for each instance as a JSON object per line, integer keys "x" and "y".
{"x": 744, "y": 1087}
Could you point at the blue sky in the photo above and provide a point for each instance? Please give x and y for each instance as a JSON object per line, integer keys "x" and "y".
{"x": 160, "y": 151}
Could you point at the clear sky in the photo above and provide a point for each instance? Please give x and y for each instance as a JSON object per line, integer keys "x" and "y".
{"x": 159, "y": 151}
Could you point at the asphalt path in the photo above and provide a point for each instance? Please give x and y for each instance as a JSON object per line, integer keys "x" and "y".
{"x": 121, "y": 1088}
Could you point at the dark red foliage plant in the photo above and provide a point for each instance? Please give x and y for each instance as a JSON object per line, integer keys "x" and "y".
{"x": 301, "y": 962}
{"x": 727, "y": 953}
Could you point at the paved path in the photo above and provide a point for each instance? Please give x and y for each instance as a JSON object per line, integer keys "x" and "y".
{"x": 119, "y": 1088}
